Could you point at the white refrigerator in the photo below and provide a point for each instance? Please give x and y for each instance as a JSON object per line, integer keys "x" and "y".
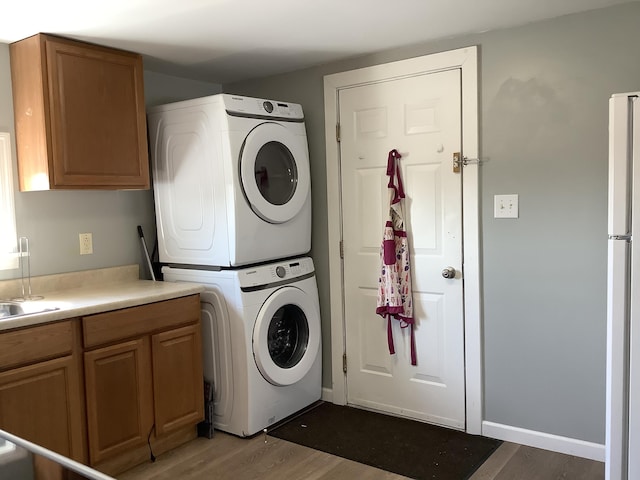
{"x": 623, "y": 290}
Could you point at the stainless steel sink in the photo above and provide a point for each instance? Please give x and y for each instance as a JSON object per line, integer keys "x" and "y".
{"x": 16, "y": 309}
{"x": 9, "y": 309}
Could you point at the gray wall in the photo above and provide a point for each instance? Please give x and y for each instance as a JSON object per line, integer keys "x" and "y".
{"x": 160, "y": 89}
{"x": 543, "y": 107}
{"x": 52, "y": 220}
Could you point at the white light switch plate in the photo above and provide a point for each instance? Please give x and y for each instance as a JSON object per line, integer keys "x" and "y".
{"x": 505, "y": 206}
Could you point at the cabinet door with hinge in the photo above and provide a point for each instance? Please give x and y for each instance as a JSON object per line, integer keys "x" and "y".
{"x": 119, "y": 398}
{"x": 98, "y": 122}
{"x": 177, "y": 378}
{"x": 43, "y": 403}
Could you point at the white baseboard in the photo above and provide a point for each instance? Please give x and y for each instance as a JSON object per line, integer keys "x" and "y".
{"x": 327, "y": 394}
{"x": 546, "y": 441}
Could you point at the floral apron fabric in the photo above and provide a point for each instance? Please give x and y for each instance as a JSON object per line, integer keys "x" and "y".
{"x": 394, "y": 284}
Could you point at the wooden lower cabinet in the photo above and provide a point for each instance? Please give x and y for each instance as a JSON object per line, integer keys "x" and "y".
{"x": 119, "y": 398}
{"x": 144, "y": 391}
{"x": 142, "y": 386}
{"x": 41, "y": 387}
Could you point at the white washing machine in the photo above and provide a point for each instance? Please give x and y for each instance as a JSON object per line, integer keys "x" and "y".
{"x": 261, "y": 341}
{"x": 231, "y": 180}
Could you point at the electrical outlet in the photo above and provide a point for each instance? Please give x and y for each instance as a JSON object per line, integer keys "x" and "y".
{"x": 86, "y": 244}
{"x": 505, "y": 206}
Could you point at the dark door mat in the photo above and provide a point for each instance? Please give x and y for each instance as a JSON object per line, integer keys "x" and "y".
{"x": 406, "y": 447}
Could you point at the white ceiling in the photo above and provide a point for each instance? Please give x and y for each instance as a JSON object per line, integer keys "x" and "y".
{"x": 227, "y": 40}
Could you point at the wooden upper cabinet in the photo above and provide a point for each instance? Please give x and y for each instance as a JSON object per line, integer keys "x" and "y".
{"x": 80, "y": 115}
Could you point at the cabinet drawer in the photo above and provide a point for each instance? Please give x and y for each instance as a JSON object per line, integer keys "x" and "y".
{"x": 29, "y": 345}
{"x": 133, "y": 322}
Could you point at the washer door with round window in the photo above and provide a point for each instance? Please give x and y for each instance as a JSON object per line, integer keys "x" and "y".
{"x": 274, "y": 169}
{"x": 286, "y": 336}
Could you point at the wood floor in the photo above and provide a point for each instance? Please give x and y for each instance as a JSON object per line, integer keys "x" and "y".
{"x": 229, "y": 457}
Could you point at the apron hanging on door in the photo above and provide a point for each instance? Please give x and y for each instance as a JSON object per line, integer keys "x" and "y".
{"x": 394, "y": 284}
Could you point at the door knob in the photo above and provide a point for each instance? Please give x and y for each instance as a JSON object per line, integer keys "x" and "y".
{"x": 449, "y": 272}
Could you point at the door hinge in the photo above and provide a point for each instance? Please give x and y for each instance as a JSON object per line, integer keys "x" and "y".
{"x": 338, "y": 132}
{"x": 341, "y": 250}
{"x": 456, "y": 162}
{"x": 344, "y": 362}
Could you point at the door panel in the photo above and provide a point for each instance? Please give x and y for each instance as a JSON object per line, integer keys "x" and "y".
{"x": 421, "y": 117}
{"x": 177, "y": 378}
{"x": 38, "y": 402}
{"x": 98, "y": 124}
{"x": 119, "y": 395}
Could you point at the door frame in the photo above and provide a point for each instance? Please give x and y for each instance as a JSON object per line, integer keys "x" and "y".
{"x": 465, "y": 59}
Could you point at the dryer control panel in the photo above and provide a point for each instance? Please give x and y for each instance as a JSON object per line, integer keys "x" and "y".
{"x": 286, "y": 271}
{"x": 261, "y": 107}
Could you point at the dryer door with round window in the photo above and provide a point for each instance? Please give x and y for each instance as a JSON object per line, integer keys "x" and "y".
{"x": 274, "y": 170}
{"x": 286, "y": 336}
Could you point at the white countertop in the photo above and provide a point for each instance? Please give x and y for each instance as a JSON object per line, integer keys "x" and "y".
{"x": 80, "y": 301}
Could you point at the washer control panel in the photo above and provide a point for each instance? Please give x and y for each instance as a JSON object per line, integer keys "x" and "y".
{"x": 287, "y": 271}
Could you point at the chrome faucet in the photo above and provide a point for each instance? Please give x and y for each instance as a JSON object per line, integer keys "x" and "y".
{"x": 25, "y": 253}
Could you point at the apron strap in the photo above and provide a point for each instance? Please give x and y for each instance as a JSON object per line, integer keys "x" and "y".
{"x": 392, "y": 350}
{"x": 393, "y": 171}
{"x": 414, "y": 360}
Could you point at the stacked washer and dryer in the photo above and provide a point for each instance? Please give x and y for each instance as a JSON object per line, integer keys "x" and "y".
{"x": 233, "y": 209}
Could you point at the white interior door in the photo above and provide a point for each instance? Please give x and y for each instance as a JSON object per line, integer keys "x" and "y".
{"x": 420, "y": 116}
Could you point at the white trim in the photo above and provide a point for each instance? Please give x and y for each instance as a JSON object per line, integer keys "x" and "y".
{"x": 466, "y": 59}
{"x": 8, "y": 246}
{"x": 327, "y": 394}
{"x": 546, "y": 441}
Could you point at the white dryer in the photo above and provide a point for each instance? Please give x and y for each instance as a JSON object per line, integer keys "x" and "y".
{"x": 231, "y": 180}
{"x": 261, "y": 341}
